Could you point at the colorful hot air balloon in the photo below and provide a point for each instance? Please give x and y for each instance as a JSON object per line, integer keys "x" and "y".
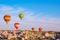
{"x": 7, "y": 18}
{"x": 21, "y": 16}
{"x": 40, "y": 29}
{"x": 33, "y": 29}
{"x": 16, "y": 25}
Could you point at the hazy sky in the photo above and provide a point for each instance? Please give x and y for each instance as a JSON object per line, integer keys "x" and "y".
{"x": 44, "y": 13}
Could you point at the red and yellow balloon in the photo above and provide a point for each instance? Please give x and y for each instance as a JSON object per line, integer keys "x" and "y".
{"x": 7, "y": 18}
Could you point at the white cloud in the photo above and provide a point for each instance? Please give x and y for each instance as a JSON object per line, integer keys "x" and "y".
{"x": 30, "y": 20}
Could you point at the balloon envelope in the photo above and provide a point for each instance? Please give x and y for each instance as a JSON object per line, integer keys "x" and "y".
{"x": 21, "y": 16}
{"x": 16, "y": 25}
{"x": 40, "y": 29}
{"x": 7, "y": 18}
{"x": 33, "y": 29}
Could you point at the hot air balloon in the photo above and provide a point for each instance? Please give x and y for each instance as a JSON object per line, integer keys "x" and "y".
{"x": 7, "y": 18}
{"x": 33, "y": 29}
{"x": 40, "y": 29}
{"x": 16, "y": 25}
{"x": 21, "y": 16}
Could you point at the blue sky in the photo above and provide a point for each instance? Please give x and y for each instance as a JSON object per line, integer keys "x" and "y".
{"x": 46, "y": 12}
{"x": 48, "y": 7}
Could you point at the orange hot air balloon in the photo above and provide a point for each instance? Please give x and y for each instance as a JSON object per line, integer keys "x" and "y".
{"x": 40, "y": 29}
{"x": 33, "y": 29}
{"x": 16, "y": 25}
{"x": 7, "y": 18}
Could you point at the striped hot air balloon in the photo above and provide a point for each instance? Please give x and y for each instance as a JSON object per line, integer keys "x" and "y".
{"x": 7, "y": 18}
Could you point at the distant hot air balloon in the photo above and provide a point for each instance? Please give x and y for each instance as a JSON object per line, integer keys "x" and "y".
{"x": 33, "y": 29}
{"x": 40, "y": 29}
{"x": 7, "y": 18}
{"x": 21, "y": 16}
{"x": 16, "y": 25}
